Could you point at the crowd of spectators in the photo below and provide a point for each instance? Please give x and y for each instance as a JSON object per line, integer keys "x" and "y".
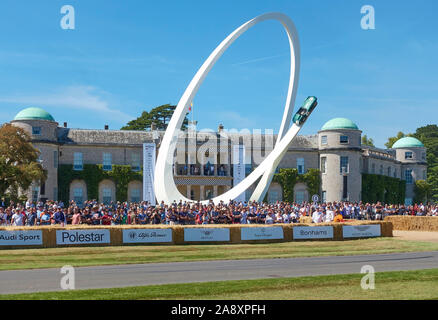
{"x": 116, "y": 213}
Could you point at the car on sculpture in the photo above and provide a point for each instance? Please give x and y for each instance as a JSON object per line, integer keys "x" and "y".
{"x": 304, "y": 112}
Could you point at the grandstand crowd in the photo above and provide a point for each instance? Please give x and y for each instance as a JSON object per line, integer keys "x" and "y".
{"x": 117, "y": 213}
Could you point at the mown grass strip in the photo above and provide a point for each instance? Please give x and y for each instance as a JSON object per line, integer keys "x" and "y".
{"x": 420, "y": 284}
{"x": 93, "y": 256}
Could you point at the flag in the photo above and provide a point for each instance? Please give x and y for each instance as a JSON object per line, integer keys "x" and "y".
{"x": 190, "y": 107}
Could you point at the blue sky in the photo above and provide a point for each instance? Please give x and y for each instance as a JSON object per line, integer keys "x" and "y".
{"x": 128, "y": 56}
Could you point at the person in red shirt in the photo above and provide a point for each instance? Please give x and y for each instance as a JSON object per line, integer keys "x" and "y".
{"x": 132, "y": 217}
{"x": 106, "y": 219}
{"x": 198, "y": 217}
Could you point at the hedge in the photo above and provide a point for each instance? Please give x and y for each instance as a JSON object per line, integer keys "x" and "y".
{"x": 289, "y": 177}
{"x": 383, "y": 188}
{"x": 93, "y": 174}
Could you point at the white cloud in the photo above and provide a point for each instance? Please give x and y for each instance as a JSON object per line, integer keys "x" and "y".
{"x": 86, "y": 98}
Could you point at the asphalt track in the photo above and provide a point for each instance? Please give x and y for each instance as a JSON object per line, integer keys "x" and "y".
{"x": 40, "y": 280}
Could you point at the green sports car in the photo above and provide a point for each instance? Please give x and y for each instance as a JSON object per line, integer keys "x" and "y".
{"x": 304, "y": 112}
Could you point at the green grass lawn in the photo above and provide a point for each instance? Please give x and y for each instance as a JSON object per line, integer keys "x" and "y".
{"x": 421, "y": 284}
{"x": 91, "y": 256}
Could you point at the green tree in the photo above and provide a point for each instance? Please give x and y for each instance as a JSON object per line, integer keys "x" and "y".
{"x": 160, "y": 115}
{"x": 422, "y": 191}
{"x": 428, "y": 135}
{"x": 432, "y": 179}
{"x": 392, "y": 140}
{"x": 19, "y": 165}
{"x": 367, "y": 142}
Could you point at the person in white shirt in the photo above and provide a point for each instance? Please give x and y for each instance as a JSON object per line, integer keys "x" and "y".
{"x": 303, "y": 211}
{"x": 330, "y": 215}
{"x": 270, "y": 218}
{"x": 279, "y": 217}
{"x": 17, "y": 219}
{"x": 293, "y": 217}
{"x": 244, "y": 216}
{"x": 317, "y": 216}
{"x": 348, "y": 210}
{"x": 286, "y": 217}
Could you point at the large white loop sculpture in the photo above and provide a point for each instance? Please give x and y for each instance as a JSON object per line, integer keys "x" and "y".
{"x": 164, "y": 184}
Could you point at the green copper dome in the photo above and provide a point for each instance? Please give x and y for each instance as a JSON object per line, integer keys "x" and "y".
{"x": 34, "y": 114}
{"x": 339, "y": 123}
{"x": 408, "y": 142}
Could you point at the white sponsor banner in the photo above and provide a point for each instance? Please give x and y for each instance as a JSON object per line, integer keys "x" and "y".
{"x": 147, "y": 235}
{"x": 206, "y": 234}
{"x": 318, "y": 232}
{"x": 149, "y": 155}
{"x": 258, "y": 233}
{"x": 82, "y": 236}
{"x": 21, "y": 237}
{"x": 364, "y": 231}
{"x": 239, "y": 168}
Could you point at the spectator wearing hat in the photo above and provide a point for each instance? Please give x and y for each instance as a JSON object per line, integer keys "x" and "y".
{"x": 106, "y": 218}
{"x": 96, "y": 216}
{"x": 59, "y": 217}
{"x": 31, "y": 217}
{"x": 45, "y": 217}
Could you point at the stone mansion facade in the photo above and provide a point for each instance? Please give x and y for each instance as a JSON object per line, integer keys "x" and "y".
{"x": 336, "y": 150}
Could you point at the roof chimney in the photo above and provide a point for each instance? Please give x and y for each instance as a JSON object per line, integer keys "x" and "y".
{"x": 220, "y": 128}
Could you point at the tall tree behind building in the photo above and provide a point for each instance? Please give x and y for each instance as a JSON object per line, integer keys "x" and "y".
{"x": 367, "y": 141}
{"x": 392, "y": 140}
{"x": 428, "y": 135}
{"x": 160, "y": 116}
